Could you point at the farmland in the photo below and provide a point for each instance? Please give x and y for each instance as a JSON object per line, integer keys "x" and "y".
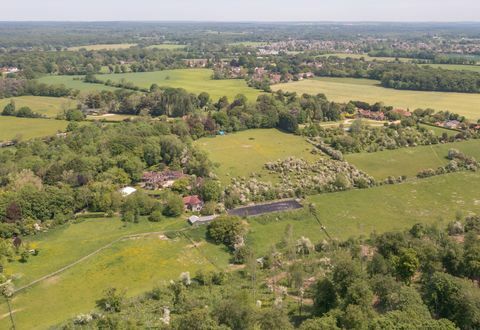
{"x": 243, "y": 153}
{"x": 353, "y": 213}
{"x": 347, "y": 89}
{"x": 102, "y": 47}
{"x": 47, "y": 106}
{"x": 410, "y": 161}
{"x": 28, "y": 128}
{"x": 167, "y": 46}
{"x": 74, "y": 82}
{"x": 193, "y": 80}
{"x": 136, "y": 264}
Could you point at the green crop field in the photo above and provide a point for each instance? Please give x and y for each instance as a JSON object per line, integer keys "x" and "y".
{"x": 347, "y": 89}
{"x": 29, "y": 128}
{"x": 102, "y": 47}
{"x": 135, "y": 264}
{"x": 385, "y": 208}
{"x": 74, "y": 82}
{"x": 48, "y": 106}
{"x": 193, "y": 80}
{"x": 243, "y": 153}
{"x": 410, "y": 161}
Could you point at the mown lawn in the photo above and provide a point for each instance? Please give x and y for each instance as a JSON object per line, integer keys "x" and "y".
{"x": 347, "y": 89}
{"x": 243, "y": 153}
{"x": 354, "y": 213}
{"x": 102, "y": 47}
{"x": 135, "y": 265}
{"x": 410, "y": 161}
{"x": 28, "y": 128}
{"x": 48, "y": 106}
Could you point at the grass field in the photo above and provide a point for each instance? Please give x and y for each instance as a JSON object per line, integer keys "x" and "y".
{"x": 249, "y": 43}
{"x": 440, "y": 130}
{"x": 410, "y": 161}
{"x": 48, "y": 106}
{"x": 456, "y": 67}
{"x": 193, "y": 80}
{"x": 74, "y": 82}
{"x": 380, "y": 209}
{"x": 111, "y": 117}
{"x": 368, "y": 57}
{"x": 135, "y": 264}
{"x": 102, "y": 47}
{"x": 29, "y": 128}
{"x": 167, "y": 46}
{"x": 347, "y": 89}
{"x": 243, "y": 153}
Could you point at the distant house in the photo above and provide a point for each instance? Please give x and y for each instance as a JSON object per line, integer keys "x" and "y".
{"x": 196, "y": 220}
{"x": 452, "y": 124}
{"x": 158, "y": 180}
{"x": 127, "y": 191}
{"x": 192, "y": 203}
{"x": 402, "y": 112}
{"x": 375, "y": 115}
{"x": 196, "y": 63}
{"x": 9, "y": 69}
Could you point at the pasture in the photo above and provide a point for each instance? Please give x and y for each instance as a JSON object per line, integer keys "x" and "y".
{"x": 347, "y": 89}
{"x": 354, "y": 213}
{"x": 368, "y": 57}
{"x": 47, "y": 106}
{"x": 29, "y": 128}
{"x": 74, "y": 82}
{"x": 193, "y": 80}
{"x": 135, "y": 264}
{"x": 409, "y": 161}
{"x": 102, "y": 47}
{"x": 167, "y": 46}
{"x": 243, "y": 153}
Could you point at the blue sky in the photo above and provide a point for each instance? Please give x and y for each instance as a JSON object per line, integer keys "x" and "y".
{"x": 242, "y": 10}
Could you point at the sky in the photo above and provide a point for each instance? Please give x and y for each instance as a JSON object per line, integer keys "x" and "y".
{"x": 240, "y": 10}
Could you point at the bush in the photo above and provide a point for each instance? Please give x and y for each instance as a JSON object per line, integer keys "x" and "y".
{"x": 225, "y": 229}
{"x": 156, "y": 216}
{"x": 174, "y": 206}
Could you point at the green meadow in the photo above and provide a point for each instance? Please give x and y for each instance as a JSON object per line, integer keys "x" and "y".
{"x": 48, "y": 106}
{"x": 102, "y": 47}
{"x": 368, "y": 57}
{"x": 353, "y": 213}
{"x": 410, "y": 161}
{"x": 243, "y": 153}
{"x": 167, "y": 46}
{"x": 29, "y": 128}
{"x": 347, "y": 89}
{"x": 134, "y": 264}
{"x": 193, "y": 80}
{"x": 74, "y": 82}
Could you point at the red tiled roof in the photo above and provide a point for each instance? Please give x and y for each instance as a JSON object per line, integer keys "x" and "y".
{"x": 191, "y": 200}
